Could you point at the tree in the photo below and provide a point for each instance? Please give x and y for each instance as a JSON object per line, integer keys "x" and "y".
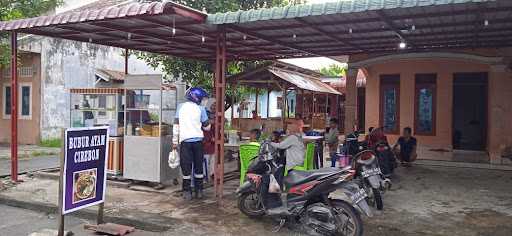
{"x": 197, "y": 73}
{"x": 334, "y": 71}
{"x": 17, "y": 9}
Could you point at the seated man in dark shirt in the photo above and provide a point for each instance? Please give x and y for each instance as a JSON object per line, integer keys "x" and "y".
{"x": 407, "y": 151}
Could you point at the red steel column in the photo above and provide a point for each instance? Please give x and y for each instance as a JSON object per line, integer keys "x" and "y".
{"x": 14, "y": 107}
{"x": 220, "y": 91}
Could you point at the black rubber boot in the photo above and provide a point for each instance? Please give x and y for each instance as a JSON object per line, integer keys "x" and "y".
{"x": 199, "y": 194}
{"x": 187, "y": 191}
{"x": 187, "y": 196}
{"x": 198, "y": 183}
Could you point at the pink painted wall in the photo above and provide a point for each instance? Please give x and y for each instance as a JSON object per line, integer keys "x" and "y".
{"x": 500, "y": 95}
{"x": 28, "y": 129}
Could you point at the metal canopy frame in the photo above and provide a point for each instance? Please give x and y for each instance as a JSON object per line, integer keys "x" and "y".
{"x": 330, "y": 29}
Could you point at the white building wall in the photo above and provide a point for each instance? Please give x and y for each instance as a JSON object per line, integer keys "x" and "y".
{"x": 68, "y": 64}
{"x": 262, "y": 106}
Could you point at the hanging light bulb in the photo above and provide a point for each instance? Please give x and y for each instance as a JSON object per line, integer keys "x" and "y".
{"x": 203, "y": 39}
{"x": 90, "y": 40}
{"x": 129, "y": 36}
{"x": 173, "y": 26}
{"x": 350, "y": 30}
{"x": 402, "y": 45}
{"x": 413, "y": 27}
{"x": 245, "y": 37}
{"x": 294, "y": 37}
{"x": 486, "y": 23}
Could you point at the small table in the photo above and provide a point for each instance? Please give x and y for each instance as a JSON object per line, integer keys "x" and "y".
{"x": 235, "y": 149}
{"x": 312, "y": 138}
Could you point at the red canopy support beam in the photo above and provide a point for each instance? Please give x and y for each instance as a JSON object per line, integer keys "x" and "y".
{"x": 14, "y": 106}
{"x": 220, "y": 91}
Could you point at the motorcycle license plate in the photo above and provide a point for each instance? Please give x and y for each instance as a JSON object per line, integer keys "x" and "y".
{"x": 371, "y": 172}
{"x": 359, "y": 196}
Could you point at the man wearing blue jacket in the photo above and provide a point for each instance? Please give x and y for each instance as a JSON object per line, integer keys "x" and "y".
{"x": 191, "y": 120}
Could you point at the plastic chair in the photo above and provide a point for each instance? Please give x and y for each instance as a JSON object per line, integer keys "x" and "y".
{"x": 308, "y": 160}
{"x": 247, "y": 153}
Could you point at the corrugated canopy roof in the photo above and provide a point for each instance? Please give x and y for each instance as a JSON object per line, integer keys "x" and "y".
{"x": 280, "y": 75}
{"x": 138, "y": 26}
{"x": 108, "y": 75}
{"x": 329, "y": 29}
{"x": 304, "y": 82}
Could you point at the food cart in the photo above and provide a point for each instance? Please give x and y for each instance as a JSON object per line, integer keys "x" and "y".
{"x": 149, "y": 112}
{"x": 101, "y": 107}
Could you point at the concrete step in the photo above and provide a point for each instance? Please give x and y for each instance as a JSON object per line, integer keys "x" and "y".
{"x": 464, "y": 165}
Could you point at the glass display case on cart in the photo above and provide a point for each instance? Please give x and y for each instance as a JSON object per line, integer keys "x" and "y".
{"x": 149, "y": 113}
{"x": 91, "y": 107}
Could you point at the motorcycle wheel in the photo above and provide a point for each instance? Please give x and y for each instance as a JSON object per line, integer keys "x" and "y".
{"x": 377, "y": 197}
{"x": 352, "y": 222}
{"x": 250, "y": 205}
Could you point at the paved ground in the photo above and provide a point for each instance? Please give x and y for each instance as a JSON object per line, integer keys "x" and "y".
{"x": 27, "y": 151}
{"x": 28, "y": 165}
{"x": 425, "y": 200}
{"x": 20, "y": 222}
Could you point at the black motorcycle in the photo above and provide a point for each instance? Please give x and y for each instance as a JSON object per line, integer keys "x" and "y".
{"x": 372, "y": 166}
{"x": 369, "y": 177}
{"x": 306, "y": 197}
{"x": 386, "y": 158}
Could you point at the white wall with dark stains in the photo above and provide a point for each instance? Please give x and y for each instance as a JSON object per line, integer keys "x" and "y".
{"x": 68, "y": 64}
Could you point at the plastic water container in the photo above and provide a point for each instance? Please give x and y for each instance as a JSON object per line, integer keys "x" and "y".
{"x": 343, "y": 160}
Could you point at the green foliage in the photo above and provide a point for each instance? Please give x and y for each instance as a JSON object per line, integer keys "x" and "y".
{"x": 334, "y": 71}
{"x": 17, "y": 9}
{"x": 198, "y": 73}
{"x": 56, "y": 142}
{"x": 154, "y": 117}
{"x": 42, "y": 153}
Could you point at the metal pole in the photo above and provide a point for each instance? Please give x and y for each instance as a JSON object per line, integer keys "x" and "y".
{"x": 303, "y": 103}
{"x": 61, "y": 187}
{"x": 268, "y": 103}
{"x": 257, "y": 101}
{"x": 283, "y": 108}
{"x": 314, "y": 111}
{"x": 220, "y": 90}
{"x": 126, "y": 51}
{"x": 326, "y": 103}
{"x": 286, "y": 115}
{"x": 14, "y": 106}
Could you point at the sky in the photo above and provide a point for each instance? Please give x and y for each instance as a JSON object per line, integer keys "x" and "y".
{"x": 313, "y": 63}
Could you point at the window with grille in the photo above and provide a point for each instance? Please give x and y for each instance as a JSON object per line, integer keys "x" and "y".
{"x": 425, "y": 104}
{"x": 6, "y": 106}
{"x": 390, "y": 103}
{"x": 23, "y": 72}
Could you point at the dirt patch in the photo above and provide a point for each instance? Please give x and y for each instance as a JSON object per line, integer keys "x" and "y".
{"x": 487, "y": 219}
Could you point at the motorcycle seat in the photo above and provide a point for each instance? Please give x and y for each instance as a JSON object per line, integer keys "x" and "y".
{"x": 297, "y": 177}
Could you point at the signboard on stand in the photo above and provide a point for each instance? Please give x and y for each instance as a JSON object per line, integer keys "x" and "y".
{"x": 84, "y": 171}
